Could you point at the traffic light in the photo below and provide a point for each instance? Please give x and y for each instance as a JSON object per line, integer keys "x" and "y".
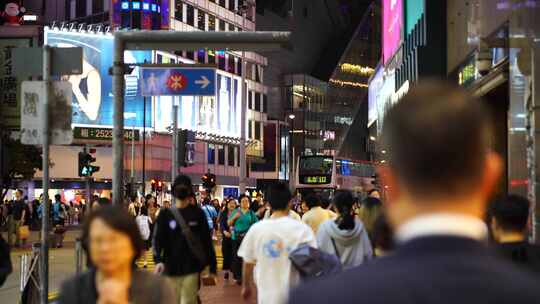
{"x": 209, "y": 181}
{"x": 153, "y": 184}
{"x": 182, "y": 148}
{"x": 85, "y": 164}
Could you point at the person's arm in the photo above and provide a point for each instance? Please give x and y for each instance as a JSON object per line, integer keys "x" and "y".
{"x": 247, "y": 280}
{"x": 366, "y": 245}
{"x": 234, "y": 216}
{"x": 206, "y": 238}
{"x": 158, "y": 240}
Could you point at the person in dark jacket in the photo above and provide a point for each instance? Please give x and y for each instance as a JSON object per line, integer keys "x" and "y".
{"x": 226, "y": 242}
{"x": 173, "y": 253}
{"x": 439, "y": 175}
{"x": 114, "y": 243}
{"x": 5, "y": 261}
{"x": 509, "y": 218}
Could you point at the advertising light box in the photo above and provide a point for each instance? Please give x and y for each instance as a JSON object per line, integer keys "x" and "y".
{"x": 92, "y": 91}
{"x": 392, "y": 28}
{"x": 216, "y": 115}
{"x": 374, "y": 88}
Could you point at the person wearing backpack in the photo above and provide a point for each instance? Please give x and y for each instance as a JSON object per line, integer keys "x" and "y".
{"x": 144, "y": 222}
{"x": 182, "y": 243}
{"x": 346, "y": 237}
{"x": 240, "y": 220}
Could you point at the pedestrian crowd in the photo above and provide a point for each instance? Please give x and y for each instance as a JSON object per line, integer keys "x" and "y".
{"x": 431, "y": 234}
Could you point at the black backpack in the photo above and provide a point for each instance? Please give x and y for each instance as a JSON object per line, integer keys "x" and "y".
{"x": 313, "y": 263}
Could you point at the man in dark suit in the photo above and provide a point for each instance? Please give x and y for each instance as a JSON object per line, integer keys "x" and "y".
{"x": 508, "y": 219}
{"x": 439, "y": 174}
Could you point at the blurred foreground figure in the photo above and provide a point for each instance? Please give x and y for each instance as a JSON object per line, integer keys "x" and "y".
{"x": 509, "y": 218}
{"x": 114, "y": 244}
{"x": 440, "y": 174}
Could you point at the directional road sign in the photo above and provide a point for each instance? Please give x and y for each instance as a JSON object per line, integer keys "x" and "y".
{"x": 167, "y": 81}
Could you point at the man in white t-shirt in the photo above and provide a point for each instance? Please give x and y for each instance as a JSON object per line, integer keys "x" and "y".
{"x": 267, "y": 245}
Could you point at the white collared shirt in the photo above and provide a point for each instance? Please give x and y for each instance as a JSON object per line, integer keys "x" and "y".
{"x": 437, "y": 224}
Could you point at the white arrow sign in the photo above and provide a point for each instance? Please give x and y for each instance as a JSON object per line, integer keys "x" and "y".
{"x": 204, "y": 82}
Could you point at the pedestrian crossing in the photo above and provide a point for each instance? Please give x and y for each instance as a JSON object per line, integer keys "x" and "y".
{"x": 150, "y": 264}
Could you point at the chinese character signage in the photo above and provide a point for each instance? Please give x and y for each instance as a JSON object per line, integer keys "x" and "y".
{"x": 32, "y": 93}
{"x": 9, "y": 85}
{"x": 104, "y": 134}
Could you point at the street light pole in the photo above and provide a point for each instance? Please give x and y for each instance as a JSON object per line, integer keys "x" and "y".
{"x": 44, "y": 261}
{"x": 243, "y": 114}
{"x": 174, "y": 142}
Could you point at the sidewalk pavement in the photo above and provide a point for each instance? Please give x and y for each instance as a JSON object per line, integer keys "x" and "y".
{"x": 61, "y": 265}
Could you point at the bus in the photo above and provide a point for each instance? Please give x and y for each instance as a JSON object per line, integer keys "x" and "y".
{"x": 323, "y": 174}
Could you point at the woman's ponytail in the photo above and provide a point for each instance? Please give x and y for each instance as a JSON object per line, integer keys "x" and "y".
{"x": 343, "y": 201}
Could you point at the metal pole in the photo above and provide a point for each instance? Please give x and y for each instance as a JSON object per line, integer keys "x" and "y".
{"x": 174, "y": 169}
{"x": 118, "y": 121}
{"x": 144, "y": 149}
{"x": 243, "y": 110}
{"x": 133, "y": 154}
{"x": 88, "y": 192}
{"x": 44, "y": 261}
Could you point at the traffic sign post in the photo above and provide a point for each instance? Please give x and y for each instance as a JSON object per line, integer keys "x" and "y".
{"x": 176, "y": 81}
{"x": 173, "y": 41}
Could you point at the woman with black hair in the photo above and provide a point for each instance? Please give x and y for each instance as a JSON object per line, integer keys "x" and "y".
{"x": 346, "y": 236}
{"x": 113, "y": 244}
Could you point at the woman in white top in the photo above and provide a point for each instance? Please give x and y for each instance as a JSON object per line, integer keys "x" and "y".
{"x": 143, "y": 222}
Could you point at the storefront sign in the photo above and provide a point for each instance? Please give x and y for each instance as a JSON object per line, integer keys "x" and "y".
{"x": 467, "y": 73}
{"x": 102, "y": 134}
{"x": 392, "y": 28}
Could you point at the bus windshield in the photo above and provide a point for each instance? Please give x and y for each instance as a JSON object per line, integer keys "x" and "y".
{"x": 315, "y": 165}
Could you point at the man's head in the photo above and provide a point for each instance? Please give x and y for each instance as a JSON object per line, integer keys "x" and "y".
{"x": 182, "y": 187}
{"x": 18, "y": 194}
{"x": 279, "y": 196}
{"x": 437, "y": 143}
{"x": 57, "y": 197}
{"x": 312, "y": 201}
{"x": 509, "y": 217}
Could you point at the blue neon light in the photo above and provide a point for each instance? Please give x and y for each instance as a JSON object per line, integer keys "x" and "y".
{"x": 146, "y": 6}
{"x": 136, "y": 5}
{"x": 125, "y": 5}
{"x": 220, "y": 53}
{"x": 154, "y": 7}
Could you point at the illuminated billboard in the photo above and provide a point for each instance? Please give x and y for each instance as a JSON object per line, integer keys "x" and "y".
{"x": 374, "y": 89}
{"x": 92, "y": 90}
{"x": 392, "y": 28}
{"x": 217, "y": 115}
{"x": 413, "y": 12}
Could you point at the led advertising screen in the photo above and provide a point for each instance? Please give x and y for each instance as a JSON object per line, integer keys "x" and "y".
{"x": 218, "y": 115}
{"x": 374, "y": 88}
{"x": 413, "y": 12}
{"x": 392, "y": 28}
{"x": 92, "y": 90}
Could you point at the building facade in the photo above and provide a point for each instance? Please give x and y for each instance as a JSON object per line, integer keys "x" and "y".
{"x": 214, "y": 121}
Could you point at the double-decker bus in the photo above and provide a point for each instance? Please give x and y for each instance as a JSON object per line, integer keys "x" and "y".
{"x": 323, "y": 174}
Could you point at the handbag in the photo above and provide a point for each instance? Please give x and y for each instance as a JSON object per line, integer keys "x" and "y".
{"x": 314, "y": 263}
{"x": 23, "y": 232}
{"x": 193, "y": 243}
